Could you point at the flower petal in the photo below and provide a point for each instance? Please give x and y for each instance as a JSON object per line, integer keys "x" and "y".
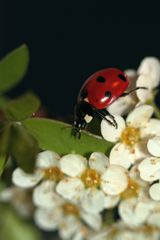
{"x": 150, "y": 169}
{"x": 132, "y": 210}
{"x": 25, "y": 180}
{"x": 73, "y": 164}
{"x": 69, "y": 226}
{"x": 153, "y": 146}
{"x": 81, "y": 234}
{"x": 70, "y": 188}
{"x": 47, "y": 159}
{"x": 151, "y": 129}
{"x": 114, "y": 180}
{"x": 122, "y": 105}
{"x": 150, "y": 66}
{"x": 154, "y": 191}
{"x": 111, "y": 201}
{"x": 46, "y": 219}
{"x": 134, "y": 175}
{"x": 132, "y": 75}
{"x": 126, "y": 208}
{"x": 141, "y": 151}
{"x": 93, "y": 220}
{"x": 154, "y": 220}
{"x": 140, "y": 116}
{"x": 7, "y": 194}
{"x": 144, "y": 94}
{"x": 111, "y": 133}
{"x": 93, "y": 200}
{"x": 98, "y": 161}
{"x": 121, "y": 155}
{"x": 143, "y": 209}
{"x": 44, "y": 195}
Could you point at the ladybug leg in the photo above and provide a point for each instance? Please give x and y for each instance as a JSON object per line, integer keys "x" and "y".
{"x": 75, "y": 132}
{"x": 111, "y": 116}
{"x": 135, "y": 89}
{"x": 103, "y": 113}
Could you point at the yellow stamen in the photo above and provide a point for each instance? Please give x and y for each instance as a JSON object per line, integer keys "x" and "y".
{"x": 130, "y": 136}
{"x": 53, "y": 173}
{"x": 70, "y": 209}
{"x": 147, "y": 229}
{"x": 91, "y": 178}
{"x": 132, "y": 190}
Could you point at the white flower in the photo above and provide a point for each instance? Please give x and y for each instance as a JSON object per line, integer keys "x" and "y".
{"x": 149, "y": 168}
{"x": 134, "y": 211}
{"x": 44, "y": 195}
{"x": 154, "y": 217}
{"x": 150, "y": 66}
{"x": 119, "y": 231}
{"x": 68, "y": 219}
{"x": 154, "y": 191}
{"x": 135, "y": 206}
{"x": 95, "y": 186}
{"x": 20, "y": 199}
{"x": 131, "y": 135}
{"x": 153, "y": 146}
{"x": 114, "y": 180}
{"x": 149, "y": 76}
{"x": 47, "y": 167}
{"x": 140, "y": 233}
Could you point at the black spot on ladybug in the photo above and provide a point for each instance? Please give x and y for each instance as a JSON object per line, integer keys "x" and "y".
{"x": 107, "y": 94}
{"x": 100, "y": 79}
{"x": 84, "y": 93}
{"x": 122, "y": 77}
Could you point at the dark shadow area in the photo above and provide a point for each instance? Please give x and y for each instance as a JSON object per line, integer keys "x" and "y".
{"x": 69, "y": 40}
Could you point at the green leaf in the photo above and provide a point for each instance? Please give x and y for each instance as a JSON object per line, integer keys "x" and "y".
{"x": 56, "y": 136}
{"x": 24, "y": 148}
{"x": 3, "y": 101}
{"x": 5, "y": 131}
{"x": 22, "y": 107}
{"x": 2, "y": 163}
{"x": 13, "y": 68}
{"x": 13, "y": 227}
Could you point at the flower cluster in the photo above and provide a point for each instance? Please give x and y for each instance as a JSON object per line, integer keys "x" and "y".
{"x": 74, "y": 194}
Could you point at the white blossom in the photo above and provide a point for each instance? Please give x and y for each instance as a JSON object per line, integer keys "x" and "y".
{"x": 149, "y": 168}
{"x": 149, "y": 76}
{"x": 153, "y": 146}
{"x": 95, "y": 186}
{"x": 131, "y": 135}
{"x": 47, "y": 167}
{"x": 68, "y": 219}
{"x": 119, "y": 231}
{"x": 135, "y": 211}
{"x": 154, "y": 191}
{"x": 20, "y": 199}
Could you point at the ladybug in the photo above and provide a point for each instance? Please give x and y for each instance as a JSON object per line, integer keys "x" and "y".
{"x": 98, "y": 92}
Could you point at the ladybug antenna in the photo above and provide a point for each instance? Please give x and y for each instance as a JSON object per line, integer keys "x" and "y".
{"x": 135, "y": 89}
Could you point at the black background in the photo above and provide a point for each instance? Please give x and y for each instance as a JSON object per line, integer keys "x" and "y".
{"x": 69, "y": 40}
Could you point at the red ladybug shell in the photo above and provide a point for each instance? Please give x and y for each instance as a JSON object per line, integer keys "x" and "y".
{"x": 104, "y": 87}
